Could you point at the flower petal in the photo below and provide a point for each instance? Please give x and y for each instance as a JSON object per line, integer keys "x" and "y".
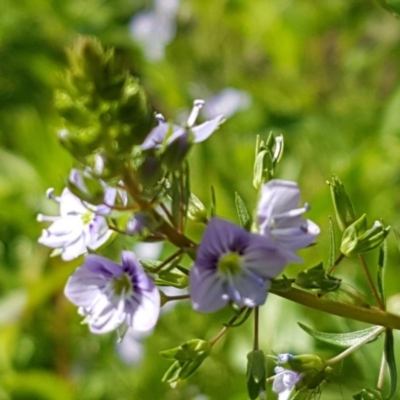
{"x": 206, "y": 129}
{"x": 207, "y": 290}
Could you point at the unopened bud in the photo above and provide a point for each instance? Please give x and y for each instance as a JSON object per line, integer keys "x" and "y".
{"x": 344, "y": 209}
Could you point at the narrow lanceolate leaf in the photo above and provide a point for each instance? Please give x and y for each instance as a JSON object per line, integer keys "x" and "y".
{"x": 381, "y": 270}
{"x": 341, "y": 339}
{"x": 391, "y": 361}
{"x": 213, "y": 202}
{"x": 332, "y": 247}
{"x": 243, "y": 213}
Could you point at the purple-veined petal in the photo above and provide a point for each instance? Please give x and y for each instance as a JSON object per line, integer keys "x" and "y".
{"x": 251, "y": 288}
{"x": 206, "y": 290}
{"x": 146, "y": 314}
{"x": 158, "y": 134}
{"x": 96, "y": 289}
{"x": 70, "y": 204}
{"x": 277, "y": 197}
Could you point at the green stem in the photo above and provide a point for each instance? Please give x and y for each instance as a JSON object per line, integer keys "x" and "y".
{"x": 172, "y": 298}
{"x": 256, "y": 320}
{"x": 225, "y": 328}
{"x": 167, "y": 261}
{"x": 372, "y": 315}
{"x": 371, "y": 282}
{"x": 351, "y": 349}
{"x": 335, "y": 264}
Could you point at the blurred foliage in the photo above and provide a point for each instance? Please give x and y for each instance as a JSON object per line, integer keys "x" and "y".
{"x": 324, "y": 74}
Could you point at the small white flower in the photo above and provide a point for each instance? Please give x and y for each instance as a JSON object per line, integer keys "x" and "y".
{"x": 77, "y": 229}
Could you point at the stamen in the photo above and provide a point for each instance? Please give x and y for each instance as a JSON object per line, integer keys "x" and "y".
{"x": 159, "y": 117}
{"x": 50, "y": 195}
{"x": 46, "y": 218}
{"x": 197, "y": 106}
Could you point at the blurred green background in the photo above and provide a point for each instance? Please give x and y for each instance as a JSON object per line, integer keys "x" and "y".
{"x": 324, "y": 74}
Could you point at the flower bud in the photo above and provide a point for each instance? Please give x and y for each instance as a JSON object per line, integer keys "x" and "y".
{"x": 176, "y": 151}
{"x": 302, "y": 363}
{"x": 196, "y": 210}
{"x": 344, "y": 209}
{"x": 150, "y": 172}
{"x": 357, "y": 238}
{"x": 134, "y": 111}
{"x": 256, "y": 373}
{"x": 262, "y": 165}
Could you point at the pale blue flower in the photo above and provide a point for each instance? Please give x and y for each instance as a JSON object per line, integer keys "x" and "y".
{"x": 280, "y": 217}
{"x": 110, "y": 295}
{"x": 284, "y": 382}
{"x": 233, "y": 265}
{"x": 169, "y": 133}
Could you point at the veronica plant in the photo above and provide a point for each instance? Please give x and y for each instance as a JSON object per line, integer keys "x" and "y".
{"x": 133, "y": 179}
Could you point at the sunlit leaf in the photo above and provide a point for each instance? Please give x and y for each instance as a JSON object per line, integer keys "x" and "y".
{"x": 341, "y": 339}
{"x": 242, "y": 211}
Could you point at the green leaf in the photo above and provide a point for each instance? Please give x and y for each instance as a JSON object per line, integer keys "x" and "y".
{"x": 391, "y": 361}
{"x": 347, "y": 294}
{"x": 283, "y": 284}
{"x": 213, "y": 202}
{"x": 368, "y": 394}
{"x": 316, "y": 278}
{"x": 243, "y": 213}
{"x": 341, "y": 339}
{"x": 381, "y": 270}
{"x": 172, "y": 278}
{"x": 393, "y": 6}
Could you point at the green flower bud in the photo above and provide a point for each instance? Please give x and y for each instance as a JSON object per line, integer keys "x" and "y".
{"x": 256, "y": 373}
{"x": 150, "y": 171}
{"x": 344, "y": 209}
{"x": 196, "y": 210}
{"x": 134, "y": 111}
{"x": 262, "y": 164}
{"x": 188, "y": 357}
{"x": 357, "y": 238}
{"x": 304, "y": 363}
{"x": 81, "y": 144}
{"x": 176, "y": 151}
{"x": 268, "y": 155}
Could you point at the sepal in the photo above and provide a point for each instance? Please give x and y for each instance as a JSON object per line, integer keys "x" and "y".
{"x": 316, "y": 278}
